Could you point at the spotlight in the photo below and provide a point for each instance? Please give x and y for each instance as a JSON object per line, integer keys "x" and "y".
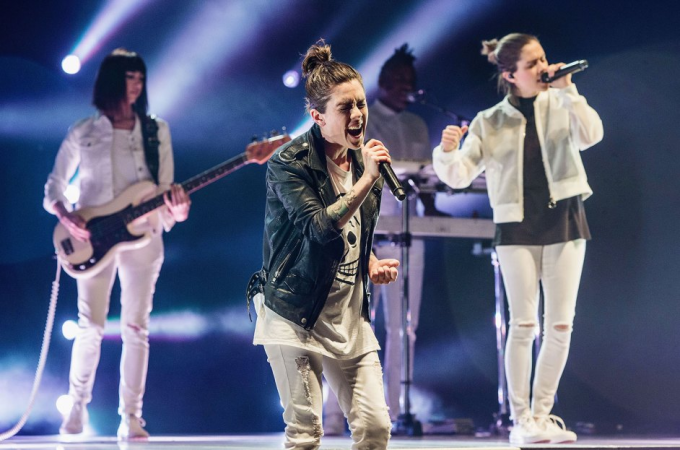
{"x": 69, "y": 329}
{"x": 71, "y": 64}
{"x": 291, "y": 79}
{"x": 64, "y": 404}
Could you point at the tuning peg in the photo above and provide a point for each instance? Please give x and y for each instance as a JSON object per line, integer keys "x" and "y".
{"x": 254, "y": 138}
{"x": 273, "y": 133}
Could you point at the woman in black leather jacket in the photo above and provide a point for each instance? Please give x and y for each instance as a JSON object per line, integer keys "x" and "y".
{"x": 323, "y": 198}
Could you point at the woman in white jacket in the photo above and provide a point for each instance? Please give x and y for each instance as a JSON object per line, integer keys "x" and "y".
{"x": 108, "y": 153}
{"x": 529, "y": 145}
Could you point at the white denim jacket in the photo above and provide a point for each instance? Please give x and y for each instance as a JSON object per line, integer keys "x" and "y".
{"x": 565, "y": 124}
{"x": 87, "y": 148}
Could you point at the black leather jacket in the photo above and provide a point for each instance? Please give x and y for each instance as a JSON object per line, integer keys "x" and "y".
{"x": 302, "y": 249}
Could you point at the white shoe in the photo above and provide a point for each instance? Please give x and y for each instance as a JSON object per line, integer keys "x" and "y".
{"x": 334, "y": 425}
{"x": 525, "y": 431}
{"x": 132, "y": 428}
{"x": 554, "y": 427}
{"x": 75, "y": 420}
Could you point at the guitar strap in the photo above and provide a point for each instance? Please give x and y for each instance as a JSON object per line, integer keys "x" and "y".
{"x": 151, "y": 144}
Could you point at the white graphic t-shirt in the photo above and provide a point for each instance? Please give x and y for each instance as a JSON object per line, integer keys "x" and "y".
{"x": 341, "y": 332}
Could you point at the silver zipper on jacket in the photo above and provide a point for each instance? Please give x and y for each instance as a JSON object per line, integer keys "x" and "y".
{"x": 552, "y": 204}
{"x": 284, "y": 263}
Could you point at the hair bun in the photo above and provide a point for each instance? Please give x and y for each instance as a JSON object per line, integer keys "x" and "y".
{"x": 317, "y": 54}
{"x": 489, "y": 50}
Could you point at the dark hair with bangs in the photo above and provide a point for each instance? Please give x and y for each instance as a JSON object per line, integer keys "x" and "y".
{"x": 323, "y": 73}
{"x": 110, "y": 86}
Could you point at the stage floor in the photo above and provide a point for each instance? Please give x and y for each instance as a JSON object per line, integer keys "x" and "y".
{"x": 274, "y": 441}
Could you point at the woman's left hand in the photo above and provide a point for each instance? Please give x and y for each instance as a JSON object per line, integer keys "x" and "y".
{"x": 382, "y": 271}
{"x": 178, "y": 202}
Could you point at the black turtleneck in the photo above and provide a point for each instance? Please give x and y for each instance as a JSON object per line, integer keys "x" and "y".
{"x": 542, "y": 225}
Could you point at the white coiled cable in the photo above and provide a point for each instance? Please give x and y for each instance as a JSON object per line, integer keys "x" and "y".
{"x": 43, "y": 357}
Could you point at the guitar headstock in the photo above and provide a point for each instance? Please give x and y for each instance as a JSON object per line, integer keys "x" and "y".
{"x": 260, "y": 151}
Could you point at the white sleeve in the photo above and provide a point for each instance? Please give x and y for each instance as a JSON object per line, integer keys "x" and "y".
{"x": 65, "y": 165}
{"x": 459, "y": 167}
{"x": 586, "y": 124}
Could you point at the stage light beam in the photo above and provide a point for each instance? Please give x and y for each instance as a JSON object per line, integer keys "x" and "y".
{"x": 111, "y": 16}
{"x": 423, "y": 28}
{"x": 213, "y": 37}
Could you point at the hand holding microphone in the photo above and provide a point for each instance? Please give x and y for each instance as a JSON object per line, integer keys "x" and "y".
{"x": 376, "y": 151}
{"x": 556, "y": 71}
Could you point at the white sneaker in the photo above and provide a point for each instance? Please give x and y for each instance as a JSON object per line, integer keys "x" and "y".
{"x": 75, "y": 420}
{"x": 525, "y": 431}
{"x": 334, "y": 425}
{"x": 554, "y": 427}
{"x": 132, "y": 428}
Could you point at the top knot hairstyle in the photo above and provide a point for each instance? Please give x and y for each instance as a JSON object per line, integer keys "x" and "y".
{"x": 505, "y": 53}
{"x": 110, "y": 88}
{"x": 323, "y": 73}
{"x": 402, "y": 57}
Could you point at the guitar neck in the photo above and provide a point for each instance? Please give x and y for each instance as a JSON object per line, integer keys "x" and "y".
{"x": 191, "y": 185}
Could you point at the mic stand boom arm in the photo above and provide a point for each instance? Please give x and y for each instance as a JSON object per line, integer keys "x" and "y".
{"x": 458, "y": 118}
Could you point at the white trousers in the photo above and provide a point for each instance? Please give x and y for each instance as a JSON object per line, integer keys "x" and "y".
{"x": 138, "y": 271}
{"x": 558, "y": 269}
{"x": 357, "y": 384}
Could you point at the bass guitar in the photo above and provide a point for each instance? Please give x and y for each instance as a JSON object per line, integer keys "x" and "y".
{"x": 127, "y": 222}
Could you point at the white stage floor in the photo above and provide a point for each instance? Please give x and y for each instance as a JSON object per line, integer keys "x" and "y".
{"x": 274, "y": 441}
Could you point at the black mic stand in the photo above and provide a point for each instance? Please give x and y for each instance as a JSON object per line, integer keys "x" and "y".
{"x": 421, "y": 99}
{"x": 406, "y": 423}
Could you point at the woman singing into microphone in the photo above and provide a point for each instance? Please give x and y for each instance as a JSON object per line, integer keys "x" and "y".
{"x": 529, "y": 145}
{"x": 323, "y": 200}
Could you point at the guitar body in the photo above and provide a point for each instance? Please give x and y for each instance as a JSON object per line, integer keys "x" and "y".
{"x": 128, "y": 221}
{"x": 110, "y": 232}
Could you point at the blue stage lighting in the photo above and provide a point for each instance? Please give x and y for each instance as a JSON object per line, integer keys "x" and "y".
{"x": 111, "y": 17}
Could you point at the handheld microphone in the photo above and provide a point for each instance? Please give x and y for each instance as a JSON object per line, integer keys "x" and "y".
{"x": 392, "y": 181}
{"x": 574, "y": 67}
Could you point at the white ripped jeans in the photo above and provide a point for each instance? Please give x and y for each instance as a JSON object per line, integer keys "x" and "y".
{"x": 138, "y": 271}
{"x": 356, "y": 382}
{"x": 558, "y": 269}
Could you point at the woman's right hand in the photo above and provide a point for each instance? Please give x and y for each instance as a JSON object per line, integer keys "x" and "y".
{"x": 451, "y": 137}
{"x": 72, "y": 222}
{"x": 374, "y": 153}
